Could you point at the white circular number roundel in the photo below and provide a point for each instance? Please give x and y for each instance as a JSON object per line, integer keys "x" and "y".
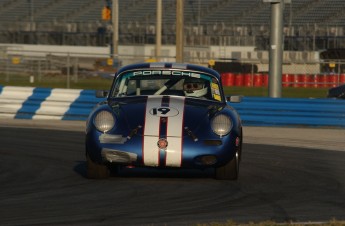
{"x": 164, "y": 111}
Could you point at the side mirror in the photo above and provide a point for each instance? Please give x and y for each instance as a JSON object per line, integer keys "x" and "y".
{"x": 234, "y": 99}
{"x": 101, "y": 93}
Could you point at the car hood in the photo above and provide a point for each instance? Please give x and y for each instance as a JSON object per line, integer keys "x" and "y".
{"x": 163, "y": 116}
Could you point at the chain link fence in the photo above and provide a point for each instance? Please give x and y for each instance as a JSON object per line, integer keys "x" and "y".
{"x": 73, "y": 69}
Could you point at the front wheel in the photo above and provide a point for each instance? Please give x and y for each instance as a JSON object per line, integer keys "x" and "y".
{"x": 95, "y": 170}
{"x": 230, "y": 170}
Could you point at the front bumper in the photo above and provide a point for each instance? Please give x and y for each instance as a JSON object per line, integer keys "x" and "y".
{"x": 202, "y": 153}
{"x": 116, "y": 156}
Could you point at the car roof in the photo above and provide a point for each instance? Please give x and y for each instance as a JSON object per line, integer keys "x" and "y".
{"x": 164, "y": 65}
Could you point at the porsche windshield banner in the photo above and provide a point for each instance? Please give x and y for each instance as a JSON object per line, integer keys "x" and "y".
{"x": 167, "y": 72}
{"x": 162, "y": 142}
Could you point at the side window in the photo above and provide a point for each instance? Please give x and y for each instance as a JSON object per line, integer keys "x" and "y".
{"x": 131, "y": 87}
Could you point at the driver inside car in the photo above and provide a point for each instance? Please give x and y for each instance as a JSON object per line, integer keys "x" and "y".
{"x": 194, "y": 87}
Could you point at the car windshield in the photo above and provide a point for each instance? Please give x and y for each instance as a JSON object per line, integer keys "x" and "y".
{"x": 167, "y": 82}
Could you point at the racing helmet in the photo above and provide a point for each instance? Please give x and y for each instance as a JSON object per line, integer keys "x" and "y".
{"x": 194, "y": 87}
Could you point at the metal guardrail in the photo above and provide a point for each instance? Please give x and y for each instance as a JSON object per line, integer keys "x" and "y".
{"x": 68, "y": 104}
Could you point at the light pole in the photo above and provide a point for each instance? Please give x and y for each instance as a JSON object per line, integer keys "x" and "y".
{"x": 158, "y": 30}
{"x": 31, "y": 14}
{"x": 115, "y": 22}
{"x": 276, "y": 47}
{"x": 179, "y": 31}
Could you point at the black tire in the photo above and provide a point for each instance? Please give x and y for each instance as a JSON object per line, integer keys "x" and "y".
{"x": 230, "y": 170}
{"x": 96, "y": 170}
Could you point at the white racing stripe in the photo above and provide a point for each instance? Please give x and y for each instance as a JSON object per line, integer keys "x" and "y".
{"x": 174, "y": 132}
{"x": 151, "y": 132}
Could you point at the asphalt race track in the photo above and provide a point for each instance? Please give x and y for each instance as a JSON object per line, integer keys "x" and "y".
{"x": 42, "y": 182}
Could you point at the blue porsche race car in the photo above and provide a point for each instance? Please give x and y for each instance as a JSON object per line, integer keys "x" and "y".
{"x": 164, "y": 115}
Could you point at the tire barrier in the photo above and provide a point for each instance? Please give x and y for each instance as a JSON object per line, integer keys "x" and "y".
{"x": 72, "y": 104}
{"x": 288, "y": 80}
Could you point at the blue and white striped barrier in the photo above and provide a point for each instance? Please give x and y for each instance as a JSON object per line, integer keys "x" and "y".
{"x": 72, "y": 104}
{"x": 43, "y": 103}
{"x": 265, "y": 111}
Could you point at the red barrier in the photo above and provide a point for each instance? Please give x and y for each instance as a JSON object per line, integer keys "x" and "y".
{"x": 302, "y": 79}
{"x": 305, "y": 81}
{"x": 239, "y": 80}
{"x": 258, "y": 80}
{"x": 248, "y": 80}
{"x": 265, "y": 80}
{"x": 228, "y": 79}
{"x": 341, "y": 79}
{"x": 323, "y": 81}
{"x": 314, "y": 81}
{"x": 287, "y": 80}
{"x": 297, "y": 81}
{"x": 332, "y": 80}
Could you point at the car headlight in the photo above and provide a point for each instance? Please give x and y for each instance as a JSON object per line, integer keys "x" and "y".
{"x": 104, "y": 121}
{"x": 221, "y": 124}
